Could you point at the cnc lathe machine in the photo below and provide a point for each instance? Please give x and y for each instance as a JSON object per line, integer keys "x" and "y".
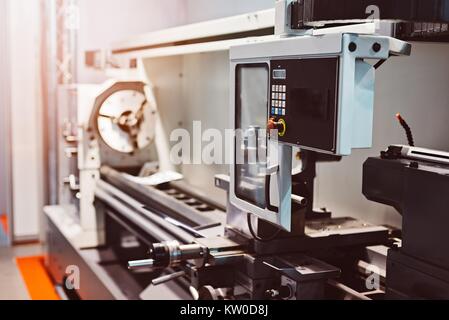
{"x": 300, "y": 95}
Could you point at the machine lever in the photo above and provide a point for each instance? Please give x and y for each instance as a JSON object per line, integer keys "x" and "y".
{"x": 71, "y": 181}
{"x": 71, "y": 152}
{"x": 167, "y": 278}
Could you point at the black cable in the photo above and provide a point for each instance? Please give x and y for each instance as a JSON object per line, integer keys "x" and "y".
{"x": 379, "y": 64}
{"x": 255, "y": 236}
{"x": 408, "y": 130}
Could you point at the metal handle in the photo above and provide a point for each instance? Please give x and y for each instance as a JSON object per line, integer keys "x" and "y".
{"x": 168, "y": 278}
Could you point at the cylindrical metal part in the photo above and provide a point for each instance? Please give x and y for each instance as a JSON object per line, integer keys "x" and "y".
{"x": 299, "y": 200}
{"x": 160, "y": 253}
{"x": 172, "y": 253}
{"x": 191, "y": 252}
{"x": 140, "y": 264}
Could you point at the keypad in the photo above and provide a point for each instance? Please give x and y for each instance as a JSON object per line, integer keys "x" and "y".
{"x": 278, "y": 100}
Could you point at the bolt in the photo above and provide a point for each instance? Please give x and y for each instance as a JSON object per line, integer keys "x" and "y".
{"x": 377, "y": 47}
{"x": 352, "y": 47}
{"x": 414, "y": 165}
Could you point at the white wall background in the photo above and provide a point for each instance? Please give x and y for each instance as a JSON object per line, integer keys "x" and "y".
{"x": 4, "y": 116}
{"x": 200, "y": 10}
{"x": 103, "y": 22}
{"x": 26, "y": 118}
{"x": 4, "y": 101}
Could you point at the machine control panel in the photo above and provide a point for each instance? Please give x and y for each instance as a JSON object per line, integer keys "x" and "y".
{"x": 304, "y": 101}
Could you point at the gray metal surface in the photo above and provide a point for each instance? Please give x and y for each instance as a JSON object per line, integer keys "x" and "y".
{"x": 133, "y": 210}
{"x": 153, "y": 195}
{"x": 102, "y": 277}
{"x": 411, "y": 278}
{"x": 61, "y": 253}
{"x": 328, "y": 233}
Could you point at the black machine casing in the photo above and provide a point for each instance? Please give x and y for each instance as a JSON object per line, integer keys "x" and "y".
{"x": 417, "y": 20}
{"x": 418, "y": 190}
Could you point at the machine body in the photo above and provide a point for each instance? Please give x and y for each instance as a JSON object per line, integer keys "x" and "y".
{"x": 412, "y": 181}
{"x": 302, "y": 96}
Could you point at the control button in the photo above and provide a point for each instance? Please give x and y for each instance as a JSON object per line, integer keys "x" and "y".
{"x": 280, "y": 125}
{"x": 284, "y": 88}
{"x": 277, "y": 88}
{"x": 273, "y": 110}
{"x": 284, "y": 104}
{"x": 273, "y": 87}
{"x": 283, "y": 112}
{"x": 273, "y": 96}
{"x": 284, "y": 96}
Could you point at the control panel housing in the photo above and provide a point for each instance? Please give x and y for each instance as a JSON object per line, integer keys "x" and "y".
{"x": 304, "y": 93}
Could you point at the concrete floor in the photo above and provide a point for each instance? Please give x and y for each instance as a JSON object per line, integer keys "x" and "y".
{"x": 12, "y": 286}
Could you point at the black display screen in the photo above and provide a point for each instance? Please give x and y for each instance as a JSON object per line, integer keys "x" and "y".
{"x": 312, "y": 102}
{"x": 280, "y": 74}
